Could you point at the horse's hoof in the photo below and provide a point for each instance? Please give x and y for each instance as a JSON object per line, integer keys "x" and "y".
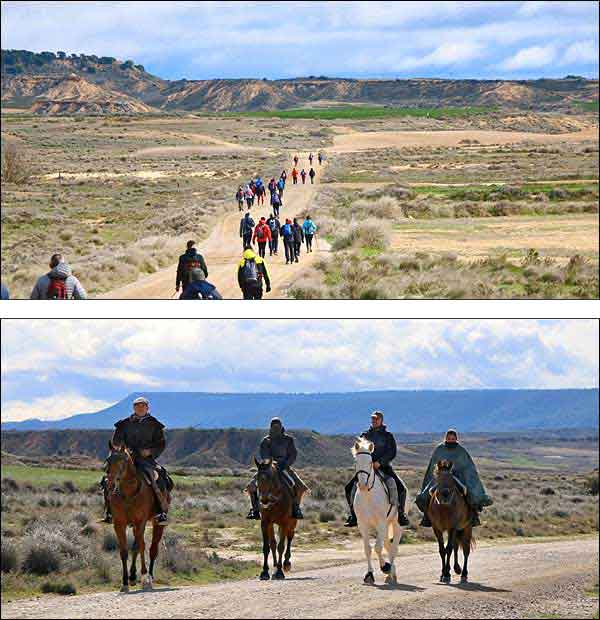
{"x": 369, "y": 579}
{"x": 264, "y": 576}
{"x": 287, "y": 567}
{"x": 457, "y": 569}
{"x": 147, "y": 583}
{"x": 124, "y": 588}
{"x": 390, "y": 580}
{"x": 386, "y": 568}
{"x": 132, "y": 581}
{"x": 447, "y": 579}
{"x": 278, "y": 575}
{"x": 464, "y": 579}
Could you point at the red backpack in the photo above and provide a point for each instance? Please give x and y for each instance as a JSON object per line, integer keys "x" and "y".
{"x": 57, "y": 289}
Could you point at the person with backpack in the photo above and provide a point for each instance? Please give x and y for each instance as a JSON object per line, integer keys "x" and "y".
{"x": 262, "y": 235}
{"x": 239, "y": 196}
{"x": 295, "y": 176}
{"x": 287, "y": 232}
{"x": 283, "y": 176}
{"x": 298, "y": 238}
{"x": 272, "y": 186}
{"x": 274, "y": 226}
{"x": 58, "y": 283}
{"x": 276, "y": 203}
{"x": 303, "y": 175}
{"x": 260, "y": 194}
{"x": 188, "y": 261}
{"x": 246, "y": 228}
{"x": 280, "y": 186}
{"x": 199, "y": 287}
{"x": 309, "y": 228}
{"x": 321, "y": 157}
{"x": 312, "y": 174}
{"x": 310, "y": 159}
{"x": 252, "y": 271}
{"x": 295, "y": 160}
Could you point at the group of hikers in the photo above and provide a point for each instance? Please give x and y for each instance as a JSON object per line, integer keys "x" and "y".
{"x": 143, "y": 435}
{"x": 192, "y": 272}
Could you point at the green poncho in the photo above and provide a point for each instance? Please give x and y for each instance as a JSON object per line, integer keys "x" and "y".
{"x": 465, "y": 471}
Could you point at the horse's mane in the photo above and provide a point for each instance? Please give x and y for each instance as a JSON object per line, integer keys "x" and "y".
{"x": 443, "y": 466}
{"x": 361, "y": 445}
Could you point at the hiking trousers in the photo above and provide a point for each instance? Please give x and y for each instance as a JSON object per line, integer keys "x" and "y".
{"x": 309, "y": 239}
{"x": 289, "y": 250}
{"x": 253, "y": 291}
{"x": 273, "y": 244}
{"x": 297, "y": 246}
{"x": 247, "y": 239}
{"x": 261, "y": 248}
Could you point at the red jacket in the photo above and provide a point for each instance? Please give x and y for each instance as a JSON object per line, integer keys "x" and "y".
{"x": 262, "y": 233}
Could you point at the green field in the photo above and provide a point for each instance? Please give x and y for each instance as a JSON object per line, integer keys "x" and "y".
{"x": 589, "y": 106}
{"x": 368, "y": 112}
{"x": 85, "y": 478}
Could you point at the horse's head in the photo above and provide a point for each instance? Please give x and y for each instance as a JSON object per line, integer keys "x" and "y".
{"x": 117, "y": 464}
{"x": 445, "y": 485}
{"x": 362, "y": 451}
{"x": 267, "y": 482}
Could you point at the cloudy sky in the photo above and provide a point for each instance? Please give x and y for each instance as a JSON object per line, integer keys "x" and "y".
{"x": 287, "y": 39}
{"x": 54, "y": 369}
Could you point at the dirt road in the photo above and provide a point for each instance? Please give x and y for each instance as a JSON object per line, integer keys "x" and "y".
{"x": 223, "y": 249}
{"x": 359, "y": 141}
{"x": 507, "y": 581}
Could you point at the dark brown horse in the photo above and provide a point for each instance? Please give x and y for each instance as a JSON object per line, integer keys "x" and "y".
{"x": 275, "y": 509}
{"x": 133, "y": 503}
{"x": 449, "y": 512}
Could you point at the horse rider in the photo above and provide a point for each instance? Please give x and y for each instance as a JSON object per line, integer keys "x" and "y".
{"x": 383, "y": 454}
{"x": 463, "y": 469}
{"x": 280, "y": 447}
{"x": 143, "y": 435}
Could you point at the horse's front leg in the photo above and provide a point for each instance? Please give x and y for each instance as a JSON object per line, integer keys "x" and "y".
{"x": 391, "y": 548}
{"x": 442, "y": 550}
{"x": 379, "y": 543}
{"x": 369, "y": 578}
{"x": 121, "y": 532}
{"x": 266, "y": 549}
{"x": 280, "y": 548}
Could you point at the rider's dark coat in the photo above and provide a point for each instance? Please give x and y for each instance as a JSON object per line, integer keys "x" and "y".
{"x": 138, "y": 434}
{"x": 385, "y": 445}
{"x": 280, "y": 448}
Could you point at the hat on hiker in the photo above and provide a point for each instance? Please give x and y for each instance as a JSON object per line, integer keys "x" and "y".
{"x": 262, "y": 219}
{"x": 140, "y": 400}
{"x": 249, "y": 254}
{"x": 276, "y": 421}
{"x": 377, "y": 414}
{"x": 288, "y": 221}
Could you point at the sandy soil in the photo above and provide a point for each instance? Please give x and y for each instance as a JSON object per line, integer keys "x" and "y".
{"x": 223, "y": 249}
{"x": 558, "y": 236}
{"x": 359, "y": 141}
{"x": 506, "y": 581}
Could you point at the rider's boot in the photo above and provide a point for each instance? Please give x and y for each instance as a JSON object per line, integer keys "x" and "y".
{"x": 254, "y": 511}
{"x": 161, "y": 517}
{"x": 351, "y": 521}
{"x": 402, "y": 518}
{"x": 425, "y": 522}
{"x": 475, "y": 521}
{"x": 296, "y": 511}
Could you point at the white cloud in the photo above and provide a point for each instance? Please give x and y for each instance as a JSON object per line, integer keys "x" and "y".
{"x": 585, "y": 52}
{"x": 530, "y": 58}
{"x": 53, "y": 407}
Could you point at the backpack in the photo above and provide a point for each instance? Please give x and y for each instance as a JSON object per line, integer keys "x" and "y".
{"x": 273, "y": 226}
{"x": 57, "y": 289}
{"x": 275, "y": 200}
{"x": 261, "y": 233}
{"x": 287, "y": 230}
{"x": 191, "y": 262}
{"x": 281, "y": 184}
{"x": 250, "y": 271}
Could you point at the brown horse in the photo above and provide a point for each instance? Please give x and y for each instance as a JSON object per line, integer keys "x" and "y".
{"x": 449, "y": 512}
{"x": 132, "y": 502}
{"x": 275, "y": 509}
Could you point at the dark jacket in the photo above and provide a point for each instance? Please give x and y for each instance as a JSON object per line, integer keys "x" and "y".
{"x": 298, "y": 233}
{"x": 385, "y": 445}
{"x": 200, "y": 290}
{"x": 246, "y": 226}
{"x": 141, "y": 434}
{"x": 191, "y": 256}
{"x": 280, "y": 448}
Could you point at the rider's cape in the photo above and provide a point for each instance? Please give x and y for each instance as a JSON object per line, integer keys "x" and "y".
{"x": 464, "y": 470}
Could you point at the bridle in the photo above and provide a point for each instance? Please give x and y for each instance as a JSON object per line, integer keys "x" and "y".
{"x": 364, "y": 471}
{"x": 435, "y": 494}
{"x": 114, "y": 483}
{"x": 270, "y": 498}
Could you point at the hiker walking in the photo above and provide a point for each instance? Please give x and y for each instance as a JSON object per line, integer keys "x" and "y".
{"x": 246, "y": 228}
{"x": 262, "y": 235}
{"x": 199, "y": 287}
{"x": 303, "y": 175}
{"x": 287, "y": 232}
{"x": 295, "y": 160}
{"x": 309, "y": 228}
{"x": 295, "y": 176}
{"x": 239, "y": 196}
{"x": 58, "y": 283}
{"x": 276, "y": 203}
{"x": 188, "y": 261}
{"x": 280, "y": 186}
{"x": 274, "y": 226}
{"x": 272, "y": 186}
{"x": 260, "y": 194}
{"x": 312, "y": 174}
{"x": 320, "y": 157}
{"x": 298, "y": 238}
{"x": 310, "y": 159}
{"x": 251, "y": 273}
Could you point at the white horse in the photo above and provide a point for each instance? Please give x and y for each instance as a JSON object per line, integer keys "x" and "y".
{"x": 374, "y": 511}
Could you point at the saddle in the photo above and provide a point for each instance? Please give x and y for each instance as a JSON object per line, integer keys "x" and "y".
{"x": 160, "y": 475}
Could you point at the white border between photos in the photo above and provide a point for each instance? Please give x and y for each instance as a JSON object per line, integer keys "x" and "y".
{"x": 292, "y": 309}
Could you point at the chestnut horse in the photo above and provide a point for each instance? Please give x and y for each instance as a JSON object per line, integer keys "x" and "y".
{"x": 449, "y": 512}
{"x": 275, "y": 509}
{"x": 132, "y": 502}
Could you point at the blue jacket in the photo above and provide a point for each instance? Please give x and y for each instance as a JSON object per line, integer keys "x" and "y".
{"x": 309, "y": 227}
{"x": 287, "y": 232}
{"x": 200, "y": 289}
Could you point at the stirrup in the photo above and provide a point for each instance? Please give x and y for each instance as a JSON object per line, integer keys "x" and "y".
{"x": 403, "y": 519}
{"x": 475, "y": 521}
{"x": 162, "y": 518}
{"x": 253, "y": 514}
{"x": 106, "y": 519}
{"x": 297, "y": 513}
{"x": 351, "y": 521}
